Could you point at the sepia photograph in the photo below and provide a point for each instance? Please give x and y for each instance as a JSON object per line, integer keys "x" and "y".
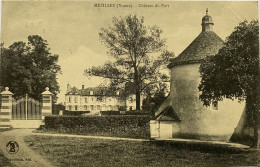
{"x": 129, "y": 83}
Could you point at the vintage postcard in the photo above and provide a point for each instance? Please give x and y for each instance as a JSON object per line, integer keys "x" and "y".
{"x": 129, "y": 83}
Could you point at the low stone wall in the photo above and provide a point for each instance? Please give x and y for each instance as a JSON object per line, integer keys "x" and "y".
{"x": 26, "y": 123}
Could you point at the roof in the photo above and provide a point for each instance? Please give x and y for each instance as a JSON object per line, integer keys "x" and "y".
{"x": 73, "y": 91}
{"x": 97, "y": 91}
{"x": 168, "y": 114}
{"x": 207, "y": 43}
{"x": 207, "y": 19}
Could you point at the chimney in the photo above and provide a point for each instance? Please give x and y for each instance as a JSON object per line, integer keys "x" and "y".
{"x": 68, "y": 87}
{"x": 82, "y": 87}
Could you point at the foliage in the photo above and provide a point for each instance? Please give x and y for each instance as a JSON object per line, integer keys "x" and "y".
{"x": 133, "y": 46}
{"x": 136, "y": 126}
{"x": 95, "y": 122}
{"x": 56, "y": 108}
{"x": 151, "y": 103}
{"x": 103, "y": 113}
{"x": 29, "y": 68}
{"x": 233, "y": 72}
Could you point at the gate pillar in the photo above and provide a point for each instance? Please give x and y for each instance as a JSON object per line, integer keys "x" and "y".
{"x": 6, "y": 108}
{"x": 46, "y": 103}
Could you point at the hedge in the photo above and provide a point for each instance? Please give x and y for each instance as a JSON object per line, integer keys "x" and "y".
{"x": 74, "y": 113}
{"x": 116, "y": 125}
{"x": 124, "y": 113}
{"x": 103, "y": 122}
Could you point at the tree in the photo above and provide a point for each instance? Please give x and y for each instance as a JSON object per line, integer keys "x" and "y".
{"x": 152, "y": 103}
{"x": 29, "y": 68}
{"x": 133, "y": 46}
{"x": 233, "y": 72}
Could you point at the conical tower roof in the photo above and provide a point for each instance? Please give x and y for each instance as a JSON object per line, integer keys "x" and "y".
{"x": 207, "y": 43}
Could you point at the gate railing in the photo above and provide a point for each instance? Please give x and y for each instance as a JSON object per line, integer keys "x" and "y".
{"x": 24, "y": 108}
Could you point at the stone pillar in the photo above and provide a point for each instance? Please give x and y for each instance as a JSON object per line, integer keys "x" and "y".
{"x": 6, "y": 108}
{"x": 46, "y": 103}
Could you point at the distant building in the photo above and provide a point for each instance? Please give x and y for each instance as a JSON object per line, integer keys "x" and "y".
{"x": 95, "y": 99}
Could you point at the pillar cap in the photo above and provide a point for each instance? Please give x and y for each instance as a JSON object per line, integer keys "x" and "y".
{"x": 46, "y": 92}
{"x": 6, "y": 92}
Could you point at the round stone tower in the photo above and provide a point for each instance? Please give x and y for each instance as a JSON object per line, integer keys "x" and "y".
{"x": 216, "y": 122}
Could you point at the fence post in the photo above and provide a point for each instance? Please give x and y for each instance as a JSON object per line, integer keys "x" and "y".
{"x": 46, "y": 103}
{"x": 6, "y": 108}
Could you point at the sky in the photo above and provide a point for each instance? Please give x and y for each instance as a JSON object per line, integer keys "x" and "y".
{"x": 71, "y": 27}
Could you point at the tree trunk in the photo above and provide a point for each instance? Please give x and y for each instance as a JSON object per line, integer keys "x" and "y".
{"x": 256, "y": 139}
{"x": 138, "y": 100}
{"x": 257, "y": 123}
{"x": 254, "y": 107}
{"x": 137, "y": 89}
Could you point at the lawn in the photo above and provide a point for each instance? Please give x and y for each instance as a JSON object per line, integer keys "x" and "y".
{"x": 64, "y": 151}
{"x": 3, "y": 160}
{"x": 137, "y": 133}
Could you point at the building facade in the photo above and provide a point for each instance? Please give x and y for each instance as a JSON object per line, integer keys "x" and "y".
{"x": 96, "y": 99}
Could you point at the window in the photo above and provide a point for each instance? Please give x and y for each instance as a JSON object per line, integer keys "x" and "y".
{"x": 86, "y": 107}
{"x": 215, "y": 105}
{"x": 86, "y": 100}
{"x": 92, "y": 99}
{"x": 91, "y": 93}
{"x": 69, "y": 99}
{"x": 98, "y": 107}
{"x": 76, "y": 108}
{"x": 75, "y": 99}
{"x": 91, "y": 107}
{"x": 70, "y": 108}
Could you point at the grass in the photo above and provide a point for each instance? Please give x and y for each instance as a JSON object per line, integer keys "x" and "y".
{"x": 3, "y": 160}
{"x": 137, "y": 133}
{"x": 64, "y": 151}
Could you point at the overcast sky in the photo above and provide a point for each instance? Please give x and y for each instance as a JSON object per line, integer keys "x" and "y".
{"x": 71, "y": 28}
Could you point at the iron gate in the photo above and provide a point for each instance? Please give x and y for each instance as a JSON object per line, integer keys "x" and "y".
{"x": 26, "y": 109}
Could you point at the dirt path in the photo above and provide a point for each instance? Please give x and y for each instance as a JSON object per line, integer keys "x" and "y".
{"x": 25, "y": 156}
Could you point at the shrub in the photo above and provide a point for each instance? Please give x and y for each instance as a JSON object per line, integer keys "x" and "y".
{"x": 74, "y": 113}
{"x": 133, "y": 112}
{"x": 116, "y": 125}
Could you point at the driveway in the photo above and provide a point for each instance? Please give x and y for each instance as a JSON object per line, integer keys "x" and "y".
{"x": 25, "y": 156}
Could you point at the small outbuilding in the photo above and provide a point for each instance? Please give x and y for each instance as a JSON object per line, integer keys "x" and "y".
{"x": 166, "y": 124}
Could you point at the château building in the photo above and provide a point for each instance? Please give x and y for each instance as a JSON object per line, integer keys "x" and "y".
{"x": 96, "y": 99}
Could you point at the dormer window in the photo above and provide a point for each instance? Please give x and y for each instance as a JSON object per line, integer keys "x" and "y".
{"x": 91, "y": 93}
{"x": 215, "y": 105}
